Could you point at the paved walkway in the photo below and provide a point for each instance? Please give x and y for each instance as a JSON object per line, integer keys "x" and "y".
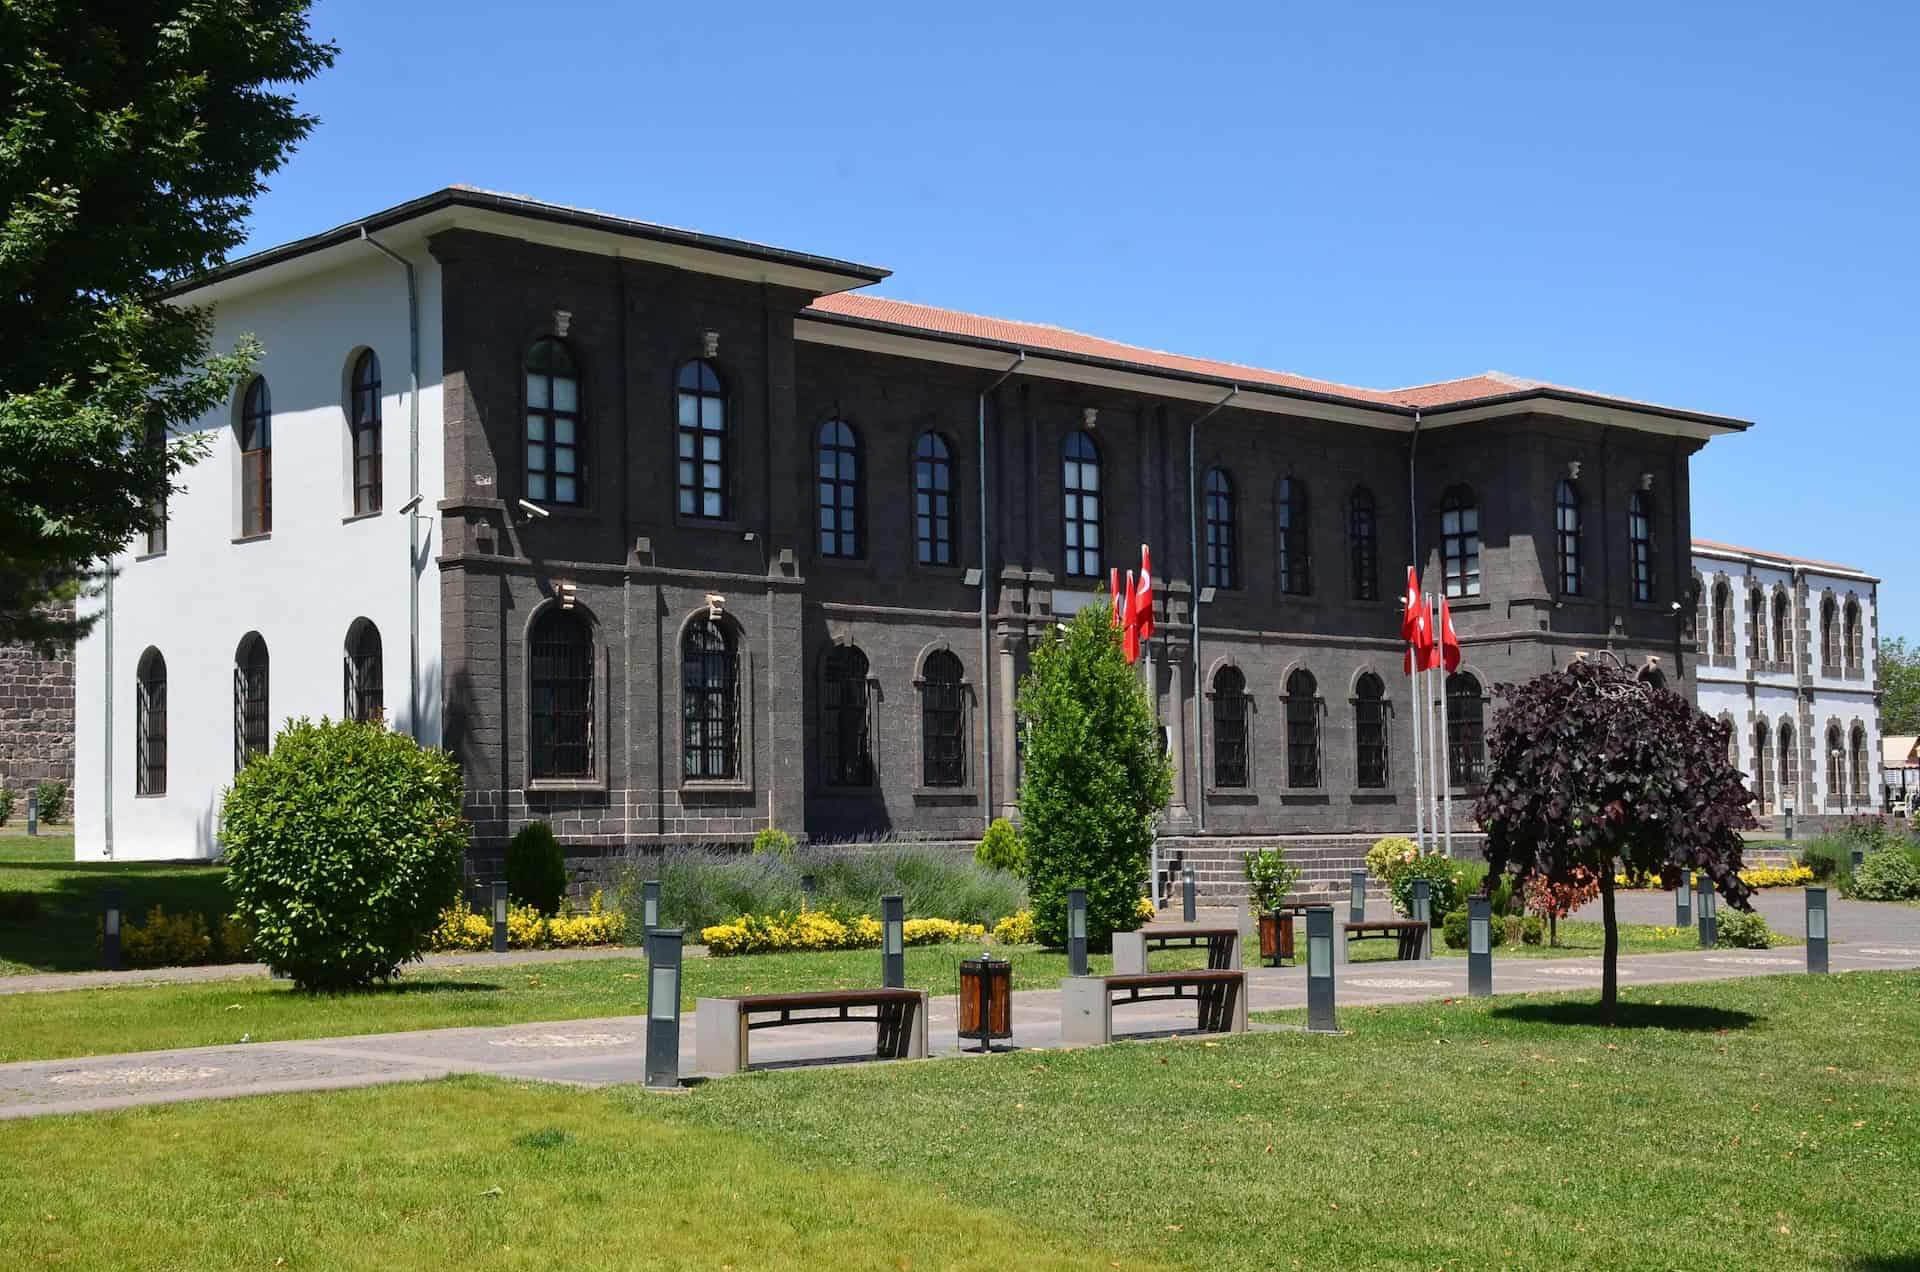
{"x": 595, "y": 1052}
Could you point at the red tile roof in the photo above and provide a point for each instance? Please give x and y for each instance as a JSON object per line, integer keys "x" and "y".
{"x": 1711, "y": 546}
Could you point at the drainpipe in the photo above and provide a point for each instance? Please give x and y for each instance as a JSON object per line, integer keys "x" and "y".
{"x": 1193, "y": 542}
{"x": 986, "y": 652}
{"x": 413, "y": 482}
{"x": 106, "y": 749}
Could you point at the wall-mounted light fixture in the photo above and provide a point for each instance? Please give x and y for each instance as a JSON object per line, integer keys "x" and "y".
{"x": 1646, "y": 481}
{"x": 716, "y": 606}
{"x": 1090, "y": 416}
{"x": 710, "y": 344}
{"x": 1573, "y": 470}
{"x": 533, "y": 509}
{"x": 565, "y": 592}
{"x": 971, "y": 578}
{"x": 562, "y": 320}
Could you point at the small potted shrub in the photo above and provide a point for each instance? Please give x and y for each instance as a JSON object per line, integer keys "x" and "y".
{"x": 1270, "y": 877}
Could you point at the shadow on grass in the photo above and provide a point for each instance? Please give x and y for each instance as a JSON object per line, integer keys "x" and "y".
{"x": 395, "y": 989}
{"x": 1887, "y": 1263}
{"x": 1629, "y": 1015}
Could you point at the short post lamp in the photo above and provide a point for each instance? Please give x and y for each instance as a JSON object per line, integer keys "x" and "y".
{"x": 1858, "y": 855}
{"x": 110, "y": 910}
{"x": 649, "y": 906}
{"x": 499, "y": 917}
{"x": 806, "y": 892}
{"x": 33, "y": 812}
{"x": 1320, "y": 969}
{"x": 663, "y": 1007}
{"x": 893, "y": 942}
{"x": 1076, "y": 931}
{"x": 1788, "y": 809}
{"x": 1817, "y": 930}
{"x": 1423, "y": 913}
{"x": 1357, "y": 897}
{"x": 1708, "y": 911}
{"x": 1188, "y": 901}
{"x": 986, "y": 1000}
{"x": 1683, "y": 900}
{"x": 1479, "y": 947}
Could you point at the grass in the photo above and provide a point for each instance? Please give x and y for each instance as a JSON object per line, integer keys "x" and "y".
{"x": 1579, "y": 938}
{"x": 78, "y": 1022}
{"x": 1760, "y": 1123}
{"x": 64, "y": 936}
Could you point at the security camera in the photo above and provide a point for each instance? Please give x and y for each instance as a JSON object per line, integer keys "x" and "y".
{"x": 412, "y": 504}
{"x": 534, "y": 508}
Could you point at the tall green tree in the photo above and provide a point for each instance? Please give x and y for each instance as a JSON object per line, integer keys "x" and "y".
{"x": 1094, "y": 780}
{"x": 1590, "y": 768}
{"x": 134, "y": 136}
{"x": 1899, "y": 687}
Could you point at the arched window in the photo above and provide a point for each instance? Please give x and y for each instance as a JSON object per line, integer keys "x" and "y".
{"x": 934, "y": 526}
{"x": 1460, "y": 542}
{"x": 1080, "y": 508}
{"x": 1829, "y": 635}
{"x": 1789, "y": 764}
{"x": 839, "y": 484}
{"x": 1370, "y": 732}
{"x": 1782, "y": 632}
{"x": 1223, "y": 557}
{"x": 1762, "y": 771}
{"x": 702, "y": 431}
{"x": 1466, "y": 731}
{"x": 941, "y": 721}
{"x": 1857, "y": 763}
{"x": 943, "y": 750}
{"x": 251, "y": 732}
{"x": 709, "y": 703}
{"x": 365, "y": 685}
{"x": 1296, "y": 567}
{"x": 846, "y": 754}
{"x": 1640, "y": 545}
{"x": 1836, "y": 767}
{"x": 256, "y": 459}
{"x": 1733, "y": 740}
{"x": 1722, "y": 619}
{"x": 1303, "y": 730}
{"x": 1853, "y": 646}
{"x": 1229, "y": 729}
{"x": 560, "y": 695}
{"x": 1363, "y": 545}
{"x": 363, "y": 419}
{"x": 1566, "y": 536}
{"x": 556, "y": 447}
{"x": 150, "y": 725}
{"x": 1756, "y": 627}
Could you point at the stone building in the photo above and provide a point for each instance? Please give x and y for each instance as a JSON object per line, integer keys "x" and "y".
{"x": 36, "y": 722}
{"x": 676, "y": 537}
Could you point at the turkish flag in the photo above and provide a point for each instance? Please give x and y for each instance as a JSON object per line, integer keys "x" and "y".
{"x": 1416, "y": 628}
{"x": 1449, "y": 641}
{"x": 1142, "y": 607}
{"x": 1113, "y": 593}
{"x": 1129, "y": 634}
{"x": 1412, "y": 612}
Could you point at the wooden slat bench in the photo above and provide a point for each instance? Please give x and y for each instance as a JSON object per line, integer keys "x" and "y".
{"x": 1130, "y": 949}
{"x": 1087, "y": 1002}
{"x": 1410, "y": 935}
{"x": 722, "y": 1025}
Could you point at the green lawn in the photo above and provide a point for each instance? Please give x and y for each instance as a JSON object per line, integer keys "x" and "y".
{"x": 77, "y": 1022}
{"x": 1579, "y": 938}
{"x": 64, "y": 938}
{"x": 1762, "y": 1123}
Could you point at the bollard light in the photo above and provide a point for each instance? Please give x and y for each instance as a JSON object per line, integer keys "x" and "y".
{"x": 499, "y": 918}
{"x": 33, "y": 812}
{"x": 1789, "y": 812}
{"x": 1706, "y": 908}
{"x": 893, "y": 941}
{"x": 1859, "y": 855}
{"x": 806, "y": 893}
{"x": 663, "y": 1007}
{"x": 1683, "y": 900}
{"x": 1320, "y": 1018}
{"x": 110, "y": 929}
{"x": 1423, "y": 913}
{"x": 1817, "y": 930}
{"x": 1479, "y": 946}
{"x": 1357, "y": 897}
{"x": 1188, "y": 902}
{"x": 1076, "y": 931}
{"x": 649, "y": 906}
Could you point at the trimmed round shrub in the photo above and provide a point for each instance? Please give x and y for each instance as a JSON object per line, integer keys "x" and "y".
{"x": 536, "y": 868}
{"x": 1455, "y": 929}
{"x": 1000, "y": 848}
{"x": 1887, "y": 875}
{"x": 343, "y": 845}
{"x": 53, "y": 801}
{"x": 775, "y": 841}
{"x": 1742, "y": 930}
{"x": 1533, "y": 930}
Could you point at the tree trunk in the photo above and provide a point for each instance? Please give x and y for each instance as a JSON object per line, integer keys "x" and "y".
{"x": 1553, "y": 929}
{"x": 1610, "y": 949}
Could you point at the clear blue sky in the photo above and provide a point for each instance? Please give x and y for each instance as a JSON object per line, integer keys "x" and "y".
{"x": 1714, "y": 206}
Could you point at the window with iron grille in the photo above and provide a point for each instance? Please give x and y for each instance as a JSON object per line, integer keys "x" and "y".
{"x": 1857, "y": 750}
{"x": 1460, "y": 542}
{"x": 556, "y": 451}
{"x": 846, "y": 754}
{"x": 701, "y": 429}
{"x": 1855, "y": 650}
{"x": 942, "y": 721}
{"x": 1303, "y": 730}
{"x": 709, "y": 703}
{"x": 1829, "y": 634}
{"x": 256, "y": 459}
{"x": 1782, "y": 630}
{"x": 1756, "y": 627}
{"x": 251, "y": 730}
{"x": 1363, "y": 545}
{"x": 365, "y": 688}
{"x": 1762, "y": 772}
{"x": 1466, "y": 731}
{"x": 1370, "y": 732}
{"x": 1722, "y": 620}
{"x": 560, "y": 695}
{"x": 1836, "y": 766}
{"x": 1296, "y": 578}
{"x": 1789, "y": 763}
{"x": 1223, "y": 558}
{"x": 1566, "y": 536}
{"x": 364, "y": 422}
{"x": 150, "y": 725}
{"x": 934, "y": 528}
{"x": 1229, "y": 729}
{"x": 1080, "y": 511}
{"x": 839, "y": 487}
{"x": 1640, "y": 545}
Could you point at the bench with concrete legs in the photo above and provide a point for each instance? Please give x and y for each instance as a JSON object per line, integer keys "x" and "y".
{"x": 722, "y": 1025}
{"x": 1130, "y": 949}
{"x": 1087, "y": 1002}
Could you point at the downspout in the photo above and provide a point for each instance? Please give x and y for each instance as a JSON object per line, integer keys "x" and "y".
{"x": 106, "y": 797}
{"x": 1193, "y": 542}
{"x": 413, "y": 483}
{"x": 986, "y": 652}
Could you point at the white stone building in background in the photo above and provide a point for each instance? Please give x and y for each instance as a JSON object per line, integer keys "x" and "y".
{"x": 1788, "y": 655}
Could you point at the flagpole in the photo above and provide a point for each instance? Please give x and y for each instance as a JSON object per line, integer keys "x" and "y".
{"x": 1419, "y": 771}
{"x": 1446, "y": 766}
{"x": 1436, "y": 745}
